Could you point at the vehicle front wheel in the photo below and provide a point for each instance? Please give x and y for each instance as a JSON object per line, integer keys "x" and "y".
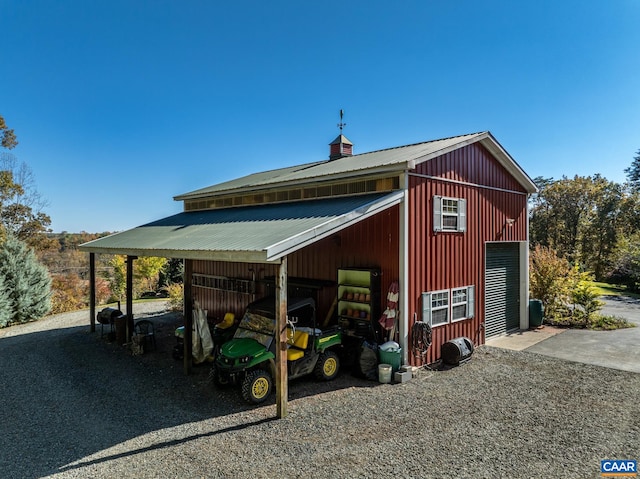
{"x": 257, "y": 386}
{"x": 218, "y": 379}
{"x": 327, "y": 367}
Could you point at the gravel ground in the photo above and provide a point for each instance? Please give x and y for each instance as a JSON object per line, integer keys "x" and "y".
{"x": 76, "y": 406}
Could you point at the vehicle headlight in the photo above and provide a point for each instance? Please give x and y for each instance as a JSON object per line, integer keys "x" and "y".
{"x": 244, "y": 359}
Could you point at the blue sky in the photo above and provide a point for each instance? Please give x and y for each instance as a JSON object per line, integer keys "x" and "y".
{"x": 120, "y": 105}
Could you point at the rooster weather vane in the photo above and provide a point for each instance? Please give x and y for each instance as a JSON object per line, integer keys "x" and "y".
{"x": 341, "y": 124}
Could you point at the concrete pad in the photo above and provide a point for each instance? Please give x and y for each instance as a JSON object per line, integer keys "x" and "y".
{"x": 524, "y": 338}
{"x": 619, "y": 349}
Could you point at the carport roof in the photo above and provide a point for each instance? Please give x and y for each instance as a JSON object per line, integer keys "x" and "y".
{"x": 263, "y": 233}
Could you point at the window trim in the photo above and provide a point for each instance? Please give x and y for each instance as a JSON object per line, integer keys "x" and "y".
{"x": 439, "y": 214}
{"x": 469, "y": 303}
{"x": 427, "y": 307}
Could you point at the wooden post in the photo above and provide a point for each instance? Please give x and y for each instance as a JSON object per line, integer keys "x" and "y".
{"x": 129, "y": 293}
{"x": 282, "y": 386}
{"x": 188, "y": 315}
{"x": 92, "y": 291}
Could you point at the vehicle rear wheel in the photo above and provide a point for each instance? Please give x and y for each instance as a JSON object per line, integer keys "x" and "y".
{"x": 257, "y": 386}
{"x": 327, "y": 367}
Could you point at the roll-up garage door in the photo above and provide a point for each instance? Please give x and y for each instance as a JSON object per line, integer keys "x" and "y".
{"x": 502, "y": 288}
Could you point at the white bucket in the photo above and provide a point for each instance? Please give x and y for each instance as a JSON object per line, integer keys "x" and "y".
{"x": 384, "y": 373}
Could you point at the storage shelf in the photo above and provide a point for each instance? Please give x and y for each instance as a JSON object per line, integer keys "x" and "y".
{"x": 359, "y": 281}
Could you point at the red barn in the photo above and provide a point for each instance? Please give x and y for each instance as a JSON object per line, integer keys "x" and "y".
{"x": 446, "y": 220}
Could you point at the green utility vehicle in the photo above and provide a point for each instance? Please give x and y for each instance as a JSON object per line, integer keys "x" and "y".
{"x": 249, "y": 358}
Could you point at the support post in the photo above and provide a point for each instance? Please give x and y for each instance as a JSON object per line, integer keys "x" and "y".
{"x": 129, "y": 293}
{"x": 92, "y": 291}
{"x": 188, "y": 315}
{"x": 282, "y": 389}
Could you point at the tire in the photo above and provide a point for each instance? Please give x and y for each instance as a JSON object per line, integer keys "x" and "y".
{"x": 257, "y": 386}
{"x": 218, "y": 380}
{"x": 327, "y": 367}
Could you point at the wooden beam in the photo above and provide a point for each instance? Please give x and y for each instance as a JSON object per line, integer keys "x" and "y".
{"x": 282, "y": 386}
{"x": 188, "y": 316}
{"x": 129, "y": 293}
{"x": 92, "y": 291}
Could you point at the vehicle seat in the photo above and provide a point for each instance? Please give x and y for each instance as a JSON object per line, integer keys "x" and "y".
{"x": 297, "y": 344}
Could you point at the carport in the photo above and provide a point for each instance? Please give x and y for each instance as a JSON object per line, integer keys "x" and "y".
{"x": 251, "y": 234}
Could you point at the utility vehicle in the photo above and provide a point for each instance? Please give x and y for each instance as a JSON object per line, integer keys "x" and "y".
{"x": 249, "y": 358}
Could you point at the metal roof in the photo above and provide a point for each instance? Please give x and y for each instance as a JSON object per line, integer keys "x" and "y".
{"x": 389, "y": 160}
{"x": 263, "y": 233}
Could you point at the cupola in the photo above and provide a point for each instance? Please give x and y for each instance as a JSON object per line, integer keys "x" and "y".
{"x": 341, "y": 146}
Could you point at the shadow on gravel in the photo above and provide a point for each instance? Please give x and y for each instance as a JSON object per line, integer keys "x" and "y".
{"x": 162, "y": 445}
{"x": 68, "y": 394}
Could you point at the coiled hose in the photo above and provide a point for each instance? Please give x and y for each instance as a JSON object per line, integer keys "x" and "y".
{"x": 420, "y": 339}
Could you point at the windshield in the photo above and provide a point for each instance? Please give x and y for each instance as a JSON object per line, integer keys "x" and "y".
{"x": 256, "y": 326}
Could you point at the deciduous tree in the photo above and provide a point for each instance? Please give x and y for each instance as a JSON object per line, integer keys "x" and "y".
{"x": 21, "y": 206}
{"x": 8, "y": 138}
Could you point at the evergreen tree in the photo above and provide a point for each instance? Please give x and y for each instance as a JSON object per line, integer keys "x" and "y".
{"x": 26, "y": 281}
{"x": 633, "y": 173}
{"x": 5, "y": 305}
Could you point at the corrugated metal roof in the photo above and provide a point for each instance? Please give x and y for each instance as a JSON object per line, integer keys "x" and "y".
{"x": 261, "y": 233}
{"x": 392, "y": 159}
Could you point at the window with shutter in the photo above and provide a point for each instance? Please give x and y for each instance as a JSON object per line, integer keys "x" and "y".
{"x": 449, "y": 214}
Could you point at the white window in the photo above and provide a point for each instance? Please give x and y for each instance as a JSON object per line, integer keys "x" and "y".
{"x": 462, "y": 303}
{"x": 449, "y": 214}
{"x": 446, "y": 306}
{"x": 435, "y": 307}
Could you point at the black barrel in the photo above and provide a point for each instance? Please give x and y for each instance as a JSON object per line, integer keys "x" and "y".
{"x": 456, "y": 351}
{"x": 108, "y": 315}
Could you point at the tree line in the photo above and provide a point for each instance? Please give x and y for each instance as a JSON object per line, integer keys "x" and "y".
{"x": 592, "y": 222}
{"x": 42, "y": 272}
{"x": 580, "y": 228}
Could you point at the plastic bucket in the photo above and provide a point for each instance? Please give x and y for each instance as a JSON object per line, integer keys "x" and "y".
{"x": 393, "y": 358}
{"x": 384, "y": 373}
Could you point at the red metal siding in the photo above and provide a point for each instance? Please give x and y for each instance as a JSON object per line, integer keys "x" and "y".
{"x": 439, "y": 261}
{"x": 371, "y": 243}
{"x": 436, "y": 261}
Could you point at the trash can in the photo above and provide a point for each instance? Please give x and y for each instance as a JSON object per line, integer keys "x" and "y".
{"x": 121, "y": 329}
{"x": 392, "y": 357}
{"x": 536, "y": 313}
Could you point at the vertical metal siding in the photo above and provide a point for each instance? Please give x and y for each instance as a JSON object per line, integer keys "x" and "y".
{"x": 440, "y": 261}
{"x": 370, "y": 243}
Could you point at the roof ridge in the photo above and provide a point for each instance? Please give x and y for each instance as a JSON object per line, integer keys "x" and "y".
{"x": 420, "y": 143}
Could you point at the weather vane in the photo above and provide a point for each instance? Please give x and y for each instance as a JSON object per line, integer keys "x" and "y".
{"x": 341, "y": 124}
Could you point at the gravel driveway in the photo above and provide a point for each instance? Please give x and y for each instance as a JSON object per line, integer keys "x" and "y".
{"x": 76, "y": 406}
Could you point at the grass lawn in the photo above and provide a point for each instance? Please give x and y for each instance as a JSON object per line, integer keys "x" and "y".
{"x": 606, "y": 289}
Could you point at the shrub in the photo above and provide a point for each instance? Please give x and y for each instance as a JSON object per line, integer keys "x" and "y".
{"x": 550, "y": 280}
{"x": 599, "y": 321}
{"x": 69, "y": 293}
{"x": 176, "y": 297}
{"x": 5, "y": 305}
{"x": 585, "y": 298}
{"x": 26, "y": 280}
